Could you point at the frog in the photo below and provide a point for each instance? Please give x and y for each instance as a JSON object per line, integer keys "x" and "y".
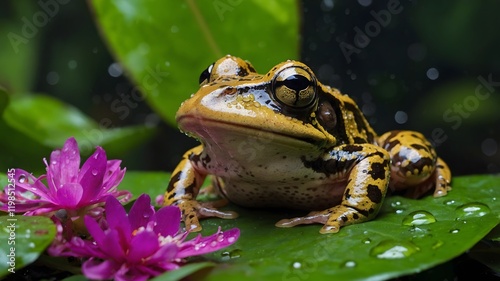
{"x": 283, "y": 140}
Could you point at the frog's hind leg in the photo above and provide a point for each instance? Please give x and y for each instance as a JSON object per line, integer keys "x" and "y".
{"x": 368, "y": 176}
{"x": 415, "y": 166}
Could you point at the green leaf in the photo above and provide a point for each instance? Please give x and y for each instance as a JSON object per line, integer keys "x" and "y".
{"x": 265, "y": 252}
{"x": 488, "y": 250}
{"x": 23, "y": 240}
{"x": 152, "y": 183}
{"x": 165, "y": 45}
{"x": 38, "y": 123}
{"x": 182, "y": 272}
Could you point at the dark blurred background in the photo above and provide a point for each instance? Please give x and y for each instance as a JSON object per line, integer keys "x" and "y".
{"x": 431, "y": 66}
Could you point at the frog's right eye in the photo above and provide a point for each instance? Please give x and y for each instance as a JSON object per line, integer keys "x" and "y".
{"x": 205, "y": 75}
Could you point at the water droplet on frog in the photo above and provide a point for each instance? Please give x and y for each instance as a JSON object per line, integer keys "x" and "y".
{"x": 392, "y": 249}
{"x": 449, "y": 202}
{"x": 94, "y": 172}
{"x": 419, "y": 218}
{"x": 349, "y": 264}
{"x": 454, "y": 231}
{"x": 22, "y": 179}
{"x": 474, "y": 209}
{"x": 366, "y": 241}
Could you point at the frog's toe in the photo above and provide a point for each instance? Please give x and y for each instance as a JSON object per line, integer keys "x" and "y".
{"x": 207, "y": 212}
{"x": 314, "y": 217}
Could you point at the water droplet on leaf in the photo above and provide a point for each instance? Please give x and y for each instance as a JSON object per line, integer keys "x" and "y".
{"x": 349, "y": 264}
{"x": 296, "y": 265}
{"x": 454, "y": 231}
{"x": 472, "y": 210}
{"x": 392, "y": 249}
{"x": 449, "y": 202}
{"x": 419, "y": 218}
{"x": 366, "y": 241}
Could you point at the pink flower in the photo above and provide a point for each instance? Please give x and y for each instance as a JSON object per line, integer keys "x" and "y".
{"x": 142, "y": 244}
{"x": 68, "y": 188}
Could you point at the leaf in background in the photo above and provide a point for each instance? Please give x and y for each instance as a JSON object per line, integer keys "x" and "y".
{"x": 265, "y": 252}
{"x": 32, "y": 235}
{"x": 152, "y": 183}
{"x": 19, "y": 47}
{"x": 36, "y": 124}
{"x": 165, "y": 45}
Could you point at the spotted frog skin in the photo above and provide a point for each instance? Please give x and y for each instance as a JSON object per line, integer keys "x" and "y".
{"x": 284, "y": 140}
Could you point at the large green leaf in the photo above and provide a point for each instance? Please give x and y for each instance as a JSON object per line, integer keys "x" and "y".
{"x": 33, "y": 125}
{"x": 23, "y": 240}
{"x": 165, "y": 45}
{"x": 265, "y": 252}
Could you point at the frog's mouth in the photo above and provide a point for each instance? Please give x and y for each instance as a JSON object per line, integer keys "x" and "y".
{"x": 223, "y": 130}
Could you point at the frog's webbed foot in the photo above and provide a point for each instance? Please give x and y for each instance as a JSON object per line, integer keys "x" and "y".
{"x": 193, "y": 210}
{"x": 332, "y": 219}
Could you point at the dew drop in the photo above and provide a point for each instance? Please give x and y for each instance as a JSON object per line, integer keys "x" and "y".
{"x": 31, "y": 245}
{"x": 449, "y": 202}
{"x": 94, "y": 172}
{"x": 419, "y": 218}
{"x": 231, "y": 239}
{"x": 392, "y": 249}
{"x": 474, "y": 209}
{"x": 454, "y": 231}
{"x": 399, "y": 211}
{"x": 366, "y": 241}
{"x": 22, "y": 179}
{"x": 213, "y": 243}
{"x": 296, "y": 265}
{"x": 349, "y": 264}
{"x": 236, "y": 253}
{"x": 396, "y": 204}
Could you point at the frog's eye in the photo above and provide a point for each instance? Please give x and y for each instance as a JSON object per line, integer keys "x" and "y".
{"x": 295, "y": 87}
{"x": 205, "y": 75}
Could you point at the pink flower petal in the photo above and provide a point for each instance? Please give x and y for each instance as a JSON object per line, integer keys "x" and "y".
{"x": 69, "y": 161}
{"x": 202, "y": 245}
{"x": 100, "y": 270}
{"x": 92, "y": 173}
{"x": 141, "y": 212}
{"x": 142, "y": 245}
{"x": 117, "y": 218}
{"x": 168, "y": 220}
{"x": 69, "y": 195}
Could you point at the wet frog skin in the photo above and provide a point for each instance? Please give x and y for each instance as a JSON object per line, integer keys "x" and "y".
{"x": 284, "y": 140}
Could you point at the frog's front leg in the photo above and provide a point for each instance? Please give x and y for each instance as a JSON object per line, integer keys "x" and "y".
{"x": 183, "y": 188}
{"x": 368, "y": 169}
{"x": 415, "y": 166}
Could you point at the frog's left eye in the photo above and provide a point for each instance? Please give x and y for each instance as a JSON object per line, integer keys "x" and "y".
{"x": 205, "y": 75}
{"x": 295, "y": 87}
